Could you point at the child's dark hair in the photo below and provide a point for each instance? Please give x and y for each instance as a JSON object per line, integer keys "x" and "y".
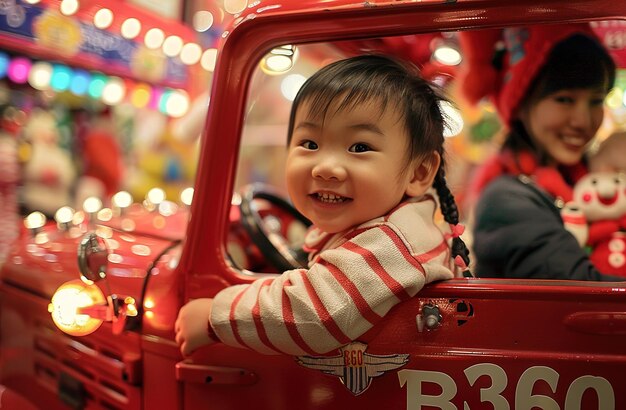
{"x": 578, "y": 62}
{"x": 388, "y": 81}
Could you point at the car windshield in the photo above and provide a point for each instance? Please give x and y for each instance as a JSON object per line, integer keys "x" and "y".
{"x": 474, "y": 133}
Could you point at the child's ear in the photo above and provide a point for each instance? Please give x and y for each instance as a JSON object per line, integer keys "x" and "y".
{"x": 423, "y": 174}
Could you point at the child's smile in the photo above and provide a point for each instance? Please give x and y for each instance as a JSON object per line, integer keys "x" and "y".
{"x": 329, "y": 198}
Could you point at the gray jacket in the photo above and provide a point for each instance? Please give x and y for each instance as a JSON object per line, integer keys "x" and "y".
{"x": 519, "y": 233}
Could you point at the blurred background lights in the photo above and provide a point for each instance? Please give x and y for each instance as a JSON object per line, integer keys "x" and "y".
{"x": 98, "y": 81}
{"x": 202, "y": 21}
{"x": 4, "y": 64}
{"x": 453, "y": 120}
{"x": 40, "y": 75}
{"x": 140, "y": 95}
{"x": 130, "y": 28}
{"x": 80, "y": 82}
{"x": 190, "y": 53}
{"x": 177, "y": 103}
{"x": 114, "y": 91}
{"x": 64, "y": 215}
{"x": 61, "y": 77}
{"x": 35, "y": 220}
{"x": 164, "y": 100}
{"x": 447, "y": 55}
{"x": 122, "y": 199}
{"x": 155, "y": 196}
{"x": 92, "y": 205}
{"x": 32, "y": 1}
{"x": 235, "y": 6}
{"x": 155, "y": 98}
{"x": 187, "y": 196}
{"x": 172, "y": 46}
{"x": 103, "y": 18}
{"x": 69, "y": 7}
{"x": 290, "y": 85}
{"x": 18, "y": 70}
{"x": 154, "y": 38}
{"x": 209, "y": 57}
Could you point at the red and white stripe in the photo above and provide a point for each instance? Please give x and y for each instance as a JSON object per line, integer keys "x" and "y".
{"x": 351, "y": 285}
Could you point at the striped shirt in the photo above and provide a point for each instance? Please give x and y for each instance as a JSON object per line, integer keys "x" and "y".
{"x": 354, "y": 279}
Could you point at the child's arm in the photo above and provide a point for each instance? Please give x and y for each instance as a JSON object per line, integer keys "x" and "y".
{"x": 344, "y": 294}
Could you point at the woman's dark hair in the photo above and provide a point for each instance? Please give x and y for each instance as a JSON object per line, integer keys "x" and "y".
{"x": 578, "y": 62}
{"x": 360, "y": 79}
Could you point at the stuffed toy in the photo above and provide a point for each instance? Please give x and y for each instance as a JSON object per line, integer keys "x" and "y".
{"x": 48, "y": 174}
{"x": 597, "y": 218}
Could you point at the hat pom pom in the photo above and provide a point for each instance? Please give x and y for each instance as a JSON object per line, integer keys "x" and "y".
{"x": 478, "y": 78}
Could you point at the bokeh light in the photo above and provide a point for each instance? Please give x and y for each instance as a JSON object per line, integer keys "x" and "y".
{"x": 114, "y": 91}
{"x": 80, "y": 82}
{"x": 40, "y": 75}
{"x": 96, "y": 86}
{"x": 18, "y": 70}
{"x": 61, "y": 77}
{"x": 4, "y": 64}
{"x": 103, "y": 18}
{"x": 140, "y": 95}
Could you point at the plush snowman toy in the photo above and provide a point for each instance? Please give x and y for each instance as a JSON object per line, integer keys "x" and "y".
{"x": 597, "y": 218}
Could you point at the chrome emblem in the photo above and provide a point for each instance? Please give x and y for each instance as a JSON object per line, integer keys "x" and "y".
{"x": 353, "y": 366}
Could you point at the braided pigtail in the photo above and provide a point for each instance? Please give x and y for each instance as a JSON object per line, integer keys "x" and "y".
{"x": 451, "y": 215}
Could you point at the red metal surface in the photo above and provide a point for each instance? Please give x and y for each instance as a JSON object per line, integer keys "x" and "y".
{"x": 42, "y": 263}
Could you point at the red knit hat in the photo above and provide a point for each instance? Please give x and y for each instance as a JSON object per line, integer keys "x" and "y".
{"x": 525, "y": 51}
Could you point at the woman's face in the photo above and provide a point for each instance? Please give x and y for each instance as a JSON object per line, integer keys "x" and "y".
{"x": 563, "y": 123}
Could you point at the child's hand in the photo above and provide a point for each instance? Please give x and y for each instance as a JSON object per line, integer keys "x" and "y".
{"x": 191, "y": 326}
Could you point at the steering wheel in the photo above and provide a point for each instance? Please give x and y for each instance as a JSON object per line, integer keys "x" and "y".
{"x": 269, "y": 227}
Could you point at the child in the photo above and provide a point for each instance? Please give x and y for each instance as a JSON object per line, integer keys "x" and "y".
{"x": 365, "y": 145}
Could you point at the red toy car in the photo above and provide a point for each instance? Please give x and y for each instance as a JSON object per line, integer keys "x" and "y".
{"x": 460, "y": 344}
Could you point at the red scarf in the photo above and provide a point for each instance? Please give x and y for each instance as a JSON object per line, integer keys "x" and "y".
{"x": 550, "y": 179}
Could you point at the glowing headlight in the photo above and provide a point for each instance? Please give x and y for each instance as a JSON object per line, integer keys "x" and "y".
{"x": 70, "y": 304}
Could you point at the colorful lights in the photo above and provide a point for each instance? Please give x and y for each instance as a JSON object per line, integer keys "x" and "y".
{"x": 131, "y": 28}
{"x": 172, "y": 46}
{"x": 154, "y": 38}
{"x": 61, "y": 77}
{"x": 114, "y": 91}
{"x": 103, "y": 18}
{"x": 111, "y": 90}
{"x": 4, "y": 64}
{"x": 209, "y": 57}
{"x": 18, "y": 70}
{"x": 80, "y": 82}
{"x": 98, "y": 81}
{"x": 140, "y": 95}
{"x": 40, "y": 75}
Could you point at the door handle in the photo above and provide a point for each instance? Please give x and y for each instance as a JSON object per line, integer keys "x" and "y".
{"x": 597, "y": 323}
{"x": 199, "y": 373}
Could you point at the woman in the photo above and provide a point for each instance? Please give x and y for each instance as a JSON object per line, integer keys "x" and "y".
{"x": 548, "y": 84}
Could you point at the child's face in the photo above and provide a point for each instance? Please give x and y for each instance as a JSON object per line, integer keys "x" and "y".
{"x": 349, "y": 167}
{"x": 564, "y": 122}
